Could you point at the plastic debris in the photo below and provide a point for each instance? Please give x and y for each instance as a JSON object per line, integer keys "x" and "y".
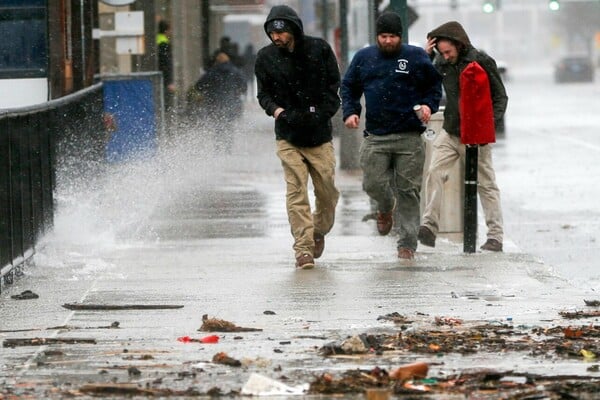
{"x": 406, "y": 372}
{"x": 205, "y": 339}
{"x": 260, "y": 385}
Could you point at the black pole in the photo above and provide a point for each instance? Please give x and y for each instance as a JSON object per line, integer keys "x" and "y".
{"x": 205, "y": 34}
{"x": 470, "y": 206}
{"x": 324, "y": 19}
{"x": 401, "y": 7}
{"x": 343, "y": 35}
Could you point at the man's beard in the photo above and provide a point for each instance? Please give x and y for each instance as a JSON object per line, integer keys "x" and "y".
{"x": 389, "y": 49}
{"x": 283, "y": 44}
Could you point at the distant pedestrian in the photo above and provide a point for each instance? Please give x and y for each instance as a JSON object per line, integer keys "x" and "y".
{"x": 455, "y": 54}
{"x": 298, "y": 81}
{"x": 219, "y": 92}
{"x": 165, "y": 63}
{"x": 249, "y": 58}
{"x": 394, "y": 77}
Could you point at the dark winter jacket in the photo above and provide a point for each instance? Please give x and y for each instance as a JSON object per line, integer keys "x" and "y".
{"x": 392, "y": 86}
{"x": 220, "y": 89}
{"x": 451, "y": 72}
{"x": 304, "y": 83}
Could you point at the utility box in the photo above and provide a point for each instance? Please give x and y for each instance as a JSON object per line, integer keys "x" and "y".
{"x": 134, "y": 105}
{"x": 452, "y": 210}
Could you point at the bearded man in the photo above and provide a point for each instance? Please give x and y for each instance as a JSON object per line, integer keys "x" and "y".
{"x": 394, "y": 77}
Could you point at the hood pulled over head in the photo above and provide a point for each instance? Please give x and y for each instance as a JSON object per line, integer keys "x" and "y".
{"x": 451, "y": 30}
{"x": 284, "y": 19}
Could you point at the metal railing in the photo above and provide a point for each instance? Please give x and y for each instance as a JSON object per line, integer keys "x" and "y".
{"x": 34, "y": 142}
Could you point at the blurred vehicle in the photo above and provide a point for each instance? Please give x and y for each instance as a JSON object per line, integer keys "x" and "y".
{"x": 503, "y": 70}
{"x": 574, "y": 69}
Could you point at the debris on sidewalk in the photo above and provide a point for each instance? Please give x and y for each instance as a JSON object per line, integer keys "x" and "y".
{"x": 220, "y": 325}
{"x": 103, "y": 307}
{"x": 580, "y": 314}
{"x": 592, "y": 303}
{"x": 260, "y": 385}
{"x": 44, "y": 341}
{"x": 225, "y": 359}
{"x": 489, "y": 384}
{"x": 412, "y": 371}
{"x": 113, "y": 325}
{"x": 25, "y": 295}
{"x": 205, "y": 339}
{"x": 396, "y": 318}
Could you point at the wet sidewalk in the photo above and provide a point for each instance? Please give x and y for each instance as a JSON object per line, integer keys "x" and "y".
{"x": 214, "y": 241}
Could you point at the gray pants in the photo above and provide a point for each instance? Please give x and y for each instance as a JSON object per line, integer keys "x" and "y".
{"x": 392, "y": 168}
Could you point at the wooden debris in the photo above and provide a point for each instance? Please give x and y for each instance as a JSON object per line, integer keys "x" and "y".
{"x": 220, "y": 325}
{"x": 79, "y": 306}
{"x": 44, "y": 341}
{"x": 579, "y": 314}
{"x": 225, "y": 359}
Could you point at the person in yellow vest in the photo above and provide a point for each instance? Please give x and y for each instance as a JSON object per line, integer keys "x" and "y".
{"x": 165, "y": 62}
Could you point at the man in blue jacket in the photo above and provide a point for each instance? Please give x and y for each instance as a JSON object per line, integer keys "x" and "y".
{"x": 394, "y": 77}
{"x": 298, "y": 82}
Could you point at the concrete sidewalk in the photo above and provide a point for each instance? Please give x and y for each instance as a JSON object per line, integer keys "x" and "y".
{"x": 220, "y": 246}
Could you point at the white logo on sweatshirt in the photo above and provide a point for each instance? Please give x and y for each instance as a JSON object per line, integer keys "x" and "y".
{"x": 402, "y": 66}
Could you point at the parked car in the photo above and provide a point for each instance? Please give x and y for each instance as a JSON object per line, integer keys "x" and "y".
{"x": 574, "y": 69}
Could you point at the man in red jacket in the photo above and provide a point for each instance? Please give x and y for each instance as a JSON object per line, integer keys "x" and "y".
{"x": 455, "y": 54}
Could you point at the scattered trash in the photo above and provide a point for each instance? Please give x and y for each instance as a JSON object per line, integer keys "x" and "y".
{"x": 579, "y": 314}
{"x": 521, "y": 380}
{"x": 592, "y": 303}
{"x": 220, "y": 325}
{"x": 378, "y": 394}
{"x": 412, "y": 371}
{"x": 354, "y": 345}
{"x": 223, "y": 358}
{"x": 44, "y": 341}
{"x": 260, "y": 385}
{"x": 25, "y": 295}
{"x": 268, "y": 312}
{"x": 205, "y": 339}
{"x": 395, "y": 317}
{"x": 448, "y": 321}
{"x": 89, "y": 307}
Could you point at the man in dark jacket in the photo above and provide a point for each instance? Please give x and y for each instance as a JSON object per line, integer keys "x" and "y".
{"x": 394, "y": 77}
{"x": 298, "y": 81}
{"x": 455, "y": 54}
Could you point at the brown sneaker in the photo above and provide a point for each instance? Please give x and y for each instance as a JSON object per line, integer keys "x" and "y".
{"x": 319, "y": 244}
{"x": 406, "y": 254}
{"x": 305, "y": 261}
{"x": 492, "y": 245}
{"x": 425, "y": 236}
{"x": 385, "y": 221}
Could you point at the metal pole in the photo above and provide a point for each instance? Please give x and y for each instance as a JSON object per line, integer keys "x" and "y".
{"x": 401, "y": 7}
{"x": 470, "y": 205}
{"x": 324, "y": 19}
{"x": 343, "y": 35}
{"x": 349, "y": 138}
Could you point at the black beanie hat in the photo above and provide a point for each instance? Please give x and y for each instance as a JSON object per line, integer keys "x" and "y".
{"x": 389, "y": 22}
{"x": 279, "y": 25}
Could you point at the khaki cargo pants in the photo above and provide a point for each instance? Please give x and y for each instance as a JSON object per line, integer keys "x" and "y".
{"x": 298, "y": 164}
